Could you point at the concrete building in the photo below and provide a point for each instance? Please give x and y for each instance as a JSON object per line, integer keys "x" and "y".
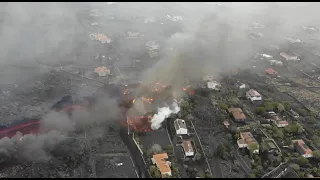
{"x": 302, "y": 148}
{"x": 180, "y": 127}
{"x": 274, "y": 62}
{"x": 241, "y": 85}
{"x": 247, "y": 140}
{"x": 214, "y": 85}
{"x": 187, "y": 148}
{"x": 280, "y": 124}
{"x": 237, "y": 114}
{"x": 102, "y": 71}
{"x": 162, "y": 164}
{"x": 253, "y": 95}
{"x": 289, "y": 56}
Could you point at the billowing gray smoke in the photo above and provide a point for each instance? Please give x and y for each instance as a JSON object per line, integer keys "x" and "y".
{"x": 60, "y": 125}
{"x": 30, "y": 147}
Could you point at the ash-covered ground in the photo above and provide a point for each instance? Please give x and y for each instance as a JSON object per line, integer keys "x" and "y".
{"x": 51, "y": 49}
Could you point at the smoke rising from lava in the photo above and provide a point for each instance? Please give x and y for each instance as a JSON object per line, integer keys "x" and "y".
{"x": 162, "y": 114}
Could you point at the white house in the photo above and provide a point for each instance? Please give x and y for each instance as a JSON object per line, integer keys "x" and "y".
{"x": 187, "y": 148}
{"x": 274, "y": 62}
{"x": 247, "y": 140}
{"x": 253, "y": 95}
{"x": 213, "y": 85}
{"x": 241, "y": 85}
{"x": 281, "y": 123}
{"x": 180, "y": 126}
{"x": 290, "y": 56}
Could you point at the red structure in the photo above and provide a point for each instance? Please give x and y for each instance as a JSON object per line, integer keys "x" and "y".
{"x": 271, "y": 72}
{"x": 140, "y": 124}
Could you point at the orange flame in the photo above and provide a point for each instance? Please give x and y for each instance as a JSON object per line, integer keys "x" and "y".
{"x": 148, "y": 100}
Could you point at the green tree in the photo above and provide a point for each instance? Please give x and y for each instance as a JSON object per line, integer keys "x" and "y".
{"x": 280, "y": 107}
{"x": 170, "y": 148}
{"x": 252, "y": 175}
{"x": 286, "y": 106}
{"x": 296, "y": 167}
{"x": 222, "y": 151}
{"x": 155, "y": 148}
{"x": 302, "y": 112}
{"x": 302, "y": 161}
{"x": 294, "y": 128}
{"x": 300, "y": 174}
{"x": 316, "y": 154}
{"x": 223, "y": 106}
{"x": 316, "y": 140}
{"x": 154, "y": 172}
{"x": 175, "y": 171}
{"x": 258, "y": 171}
{"x": 270, "y": 105}
{"x": 198, "y": 156}
{"x": 260, "y": 110}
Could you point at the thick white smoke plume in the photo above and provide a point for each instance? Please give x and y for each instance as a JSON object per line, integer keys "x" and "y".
{"x": 162, "y": 114}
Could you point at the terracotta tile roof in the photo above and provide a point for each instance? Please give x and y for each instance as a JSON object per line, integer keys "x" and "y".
{"x": 302, "y": 147}
{"x": 101, "y": 69}
{"x": 162, "y": 164}
{"x": 271, "y": 71}
{"x": 237, "y": 113}
{"x": 253, "y": 92}
{"x": 283, "y": 122}
{"x": 248, "y": 137}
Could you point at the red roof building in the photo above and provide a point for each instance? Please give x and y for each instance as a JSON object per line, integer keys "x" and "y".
{"x": 271, "y": 72}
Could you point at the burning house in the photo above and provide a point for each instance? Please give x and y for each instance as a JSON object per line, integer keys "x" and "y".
{"x": 140, "y": 124}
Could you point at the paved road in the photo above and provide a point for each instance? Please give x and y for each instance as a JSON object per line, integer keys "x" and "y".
{"x": 142, "y": 170}
{"x": 243, "y": 164}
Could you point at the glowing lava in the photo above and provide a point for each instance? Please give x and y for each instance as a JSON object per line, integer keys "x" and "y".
{"x": 140, "y": 124}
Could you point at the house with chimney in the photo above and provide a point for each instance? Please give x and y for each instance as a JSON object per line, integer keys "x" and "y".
{"x": 237, "y": 114}
{"x": 253, "y": 95}
{"x": 302, "y": 148}
{"x": 246, "y": 140}
{"x": 188, "y": 148}
{"x": 180, "y": 127}
{"x": 162, "y": 164}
